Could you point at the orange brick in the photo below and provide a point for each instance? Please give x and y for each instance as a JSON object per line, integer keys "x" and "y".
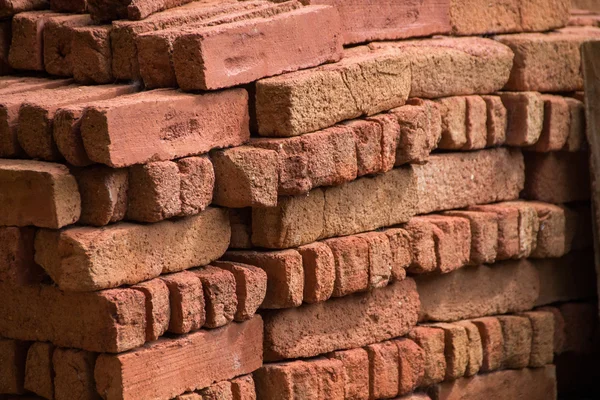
{"x": 383, "y": 369}
{"x": 432, "y": 341}
{"x": 355, "y": 365}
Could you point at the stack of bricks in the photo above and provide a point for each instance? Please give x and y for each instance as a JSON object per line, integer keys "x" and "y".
{"x": 315, "y": 199}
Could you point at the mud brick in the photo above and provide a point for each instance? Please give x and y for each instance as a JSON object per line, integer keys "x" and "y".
{"x": 246, "y": 177}
{"x": 422, "y": 245}
{"x": 85, "y": 258}
{"x": 69, "y": 6}
{"x": 241, "y": 228}
{"x": 462, "y": 66}
{"x": 158, "y": 307}
{"x": 576, "y": 140}
{"x": 497, "y": 121}
{"x": 471, "y": 292}
{"x": 35, "y": 130}
{"x": 12, "y": 364}
{"x": 454, "y": 122}
{"x": 285, "y": 275}
{"x": 579, "y": 326}
{"x": 74, "y": 374}
{"x": 16, "y": 257}
{"x": 411, "y": 361}
{"x": 319, "y": 271}
{"x": 103, "y": 194}
{"x": 351, "y": 256}
{"x": 12, "y": 7}
{"x": 456, "y": 180}
{"x": 38, "y": 193}
{"x": 153, "y": 193}
{"x": 383, "y": 369}
{"x": 243, "y": 388}
{"x": 354, "y": 207}
{"x": 420, "y": 131}
{"x": 536, "y": 383}
{"x": 542, "y": 337}
{"x": 39, "y": 373}
{"x": 553, "y": 238}
{"x": 197, "y": 177}
{"x": 341, "y": 323}
{"x": 364, "y": 82}
{"x": 525, "y": 113}
{"x": 517, "y": 335}
{"x": 557, "y": 124}
{"x": 206, "y": 47}
{"x": 176, "y": 129}
{"x": 484, "y": 235}
{"x": 26, "y": 49}
{"x": 107, "y": 10}
{"x": 476, "y": 123}
{"x": 91, "y": 55}
{"x": 456, "y": 349}
{"x": 368, "y": 136}
{"x": 452, "y": 241}
{"x": 319, "y": 379}
{"x": 474, "y": 347}
{"x": 380, "y": 258}
{"x": 492, "y": 343}
{"x": 557, "y": 177}
{"x": 218, "y": 391}
{"x": 401, "y": 252}
{"x": 106, "y": 321}
{"x": 219, "y": 287}
{"x": 251, "y": 287}
{"x": 187, "y": 302}
{"x": 432, "y": 341}
{"x": 355, "y": 367}
{"x": 197, "y": 357}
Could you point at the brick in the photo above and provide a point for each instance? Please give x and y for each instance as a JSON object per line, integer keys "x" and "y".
{"x": 432, "y": 341}
{"x": 69, "y": 6}
{"x": 153, "y": 193}
{"x": 380, "y": 258}
{"x": 525, "y": 114}
{"x": 21, "y": 84}
{"x": 220, "y": 295}
{"x": 251, "y": 287}
{"x": 269, "y": 56}
{"x": 528, "y": 227}
{"x": 497, "y": 121}
{"x": 368, "y": 136}
{"x": 341, "y": 324}
{"x": 554, "y": 233}
{"x": 57, "y": 43}
{"x": 383, "y": 369}
{"x": 12, "y": 365}
{"x": 390, "y": 137}
{"x": 197, "y": 357}
{"x": 17, "y": 266}
{"x": 74, "y": 374}
{"x": 556, "y": 177}
{"x": 509, "y": 240}
{"x": 26, "y": 49}
{"x": 319, "y": 271}
{"x": 542, "y": 337}
{"x": 285, "y": 275}
{"x": 534, "y": 384}
{"x": 364, "y": 82}
{"x": 577, "y": 123}
{"x": 317, "y": 379}
{"x": 107, "y": 321}
{"x": 218, "y": 391}
{"x": 91, "y": 55}
{"x": 241, "y": 228}
{"x": 517, "y": 335}
{"x": 471, "y": 292}
{"x": 456, "y": 349}
{"x": 469, "y": 178}
{"x": 38, "y": 193}
{"x": 85, "y": 259}
{"x": 35, "y": 130}
{"x": 422, "y": 245}
{"x": 579, "y": 326}
{"x": 66, "y": 132}
{"x": 411, "y": 361}
{"x": 492, "y": 343}
{"x": 476, "y": 123}
{"x": 12, "y": 7}
{"x": 197, "y": 177}
{"x": 401, "y": 252}
{"x": 39, "y": 373}
{"x": 454, "y": 122}
{"x": 559, "y": 328}
{"x": 351, "y": 256}
{"x": 243, "y": 388}
{"x": 175, "y": 131}
{"x": 556, "y": 128}
{"x": 484, "y": 235}
{"x": 246, "y": 177}
{"x": 452, "y": 241}
{"x": 420, "y": 131}
{"x": 355, "y": 367}
{"x": 106, "y": 10}
{"x": 104, "y": 194}
{"x": 158, "y": 307}
{"x": 187, "y": 302}
{"x": 463, "y": 66}
{"x": 474, "y": 348}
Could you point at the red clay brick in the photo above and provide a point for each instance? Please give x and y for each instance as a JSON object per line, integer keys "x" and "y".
{"x": 554, "y": 235}
{"x": 474, "y": 348}
{"x": 452, "y": 241}
{"x": 401, "y": 252}
{"x": 107, "y": 10}
{"x": 492, "y": 343}
{"x": 39, "y": 374}
{"x": 106, "y": 321}
{"x": 243, "y": 388}
{"x": 26, "y": 49}
{"x": 456, "y": 349}
{"x": 557, "y": 124}
{"x": 542, "y": 337}
{"x": 380, "y": 258}
{"x": 390, "y": 137}
{"x": 17, "y": 266}
{"x": 422, "y": 245}
{"x": 13, "y": 356}
{"x": 69, "y": 6}
{"x": 528, "y": 227}
{"x": 285, "y": 275}
{"x": 454, "y": 122}
{"x": 509, "y": 241}
{"x": 186, "y": 301}
{"x": 218, "y": 391}
{"x": 197, "y": 357}
{"x": 432, "y": 341}
{"x": 411, "y": 361}
{"x": 472, "y": 292}
{"x": 368, "y": 136}
{"x": 74, "y": 375}
{"x": 577, "y": 139}
{"x": 197, "y": 184}
{"x": 57, "y": 43}
{"x": 319, "y": 271}
{"x": 67, "y": 135}
{"x": 21, "y": 84}
{"x": 91, "y": 56}
{"x": 351, "y": 256}
{"x": 383, "y": 369}
{"x": 12, "y": 7}
{"x": 484, "y": 235}
{"x": 341, "y": 324}
{"x": 85, "y": 258}
{"x": 497, "y": 121}
{"x": 176, "y": 129}
{"x": 251, "y": 287}
{"x": 476, "y": 122}
{"x": 316, "y": 379}
{"x": 560, "y": 335}
{"x": 220, "y": 295}
{"x": 355, "y": 367}
{"x": 158, "y": 307}
{"x": 38, "y": 193}
{"x": 525, "y": 115}
{"x": 420, "y": 131}
{"x": 517, "y": 335}
{"x": 103, "y": 192}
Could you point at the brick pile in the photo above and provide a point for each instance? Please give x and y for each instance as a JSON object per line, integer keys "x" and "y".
{"x": 313, "y": 199}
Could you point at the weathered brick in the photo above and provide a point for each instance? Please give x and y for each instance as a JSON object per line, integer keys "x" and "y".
{"x": 319, "y": 271}
{"x": 383, "y": 369}
{"x": 218, "y": 391}
{"x": 187, "y": 302}
{"x": 492, "y": 343}
{"x": 197, "y": 177}
{"x": 12, "y": 7}
{"x": 368, "y": 137}
{"x": 474, "y": 348}
{"x": 525, "y": 115}
{"x": 484, "y": 235}
{"x": 104, "y": 194}
{"x": 158, "y": 307}
{"x": 380, "y": 258}
{"x": 420, "y": 131}
{"x": 497, "y": 121}
{"x": 351, "y": 256}
{"x": 241, "y": 228}
{"x": 559, "y": 328}
{"x": 91, "y": 55}
{"x": 67, "y": 135}
{"x": 74, "y": 374}
{"x": 219, "y": 287}
{"x": 243, "y": 388}
{"x": 454, "y": 122}
{"x": 17, "y": 266}
{"x": 12, "y": 364}
{"x": 355, "y": 367}
{"x": 452, "y": 241}
{"x": 577, "y": 125}
{"x": 39, "y": 374}
{"x": 390, "y": 138}
{"x": 401, "y": 252}
{"x": 107, "y": 10}
{"x": 422, "y": 245}
{"x": 411, "y": 361}
{"x": 542, "y": 337}
{"x": 517, "y": 335}
{"x": 557, "y": 124}
{"x": 57, "y": 42}
{"x": 456, "y": 349}
{"x": 555, "y": 233}
{"x": 432, "y": 341}
{"x": 476, "y": 122}
{"x": 26, "y": 49}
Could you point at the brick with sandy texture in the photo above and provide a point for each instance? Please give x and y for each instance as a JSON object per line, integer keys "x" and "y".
{"x": 420, "y": 130}
{"x": 517, "y": 335}
{"x": 476, "y": 122}
{"x": 66, "y": 132}
{"x": 355, "y": 367}
{"x": 107, "y": 10}
{"x": 454, "y": 122}
{"x": 186, "y": 300}
{"x": 559, "y": 328}
{"x": 432, "y": 341}
{"x": 351, "y": 257}
{"x": 556, "y": 231}
{"x": 474, "y": 348}
{"x": 16, "y": 257}
{"x": 85, "y": 258}
{"x": 158, "y": 307}
{"x": 69, "y": 6}
{"x": 12, "y": 365}
{"x": 577, "y": 139}
{"x": 74, "y": 374}
{"x": 484, "y": 235}
{"x": 217, "y": 391}
{"x": 26, "y": 49}
{"x": 492, "y": 342}
{"x": 525, "y": 114}
{"x": 542, "y": 337}
{"x": 422, "y": 245}
{"x": 401, "y": 252}
{"x": 557, "y": 124}
{"x": 91, "y": 55}
{"x": 380, "y": 258}
{"x": 39, "y": 374}
{"x": 383, "y": 369}
{"x": 319, "y": 271}
{"x": 243, "y": 388}
{"x": 220, "y": 297}
{"x": 12, "y": 7}
{"x": 411, "y": 362}
{"x": 390, "y": 139}
{"x": 341, "y": 324}
{"x": 368, "y": 138}
{"x": 57, "y": 43}
{"x": 197, "y": 177}
{"x": 497, "y": 120}
{"x": 456, "y": 349}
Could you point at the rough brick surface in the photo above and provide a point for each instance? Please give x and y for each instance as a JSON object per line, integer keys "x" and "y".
{"x": 319, "y": 271}
{"x": 218, "y": 391}
{"x": 454, "y": 122}
{"x": 39, "y": 373}
{"x": 103, "y": 192}
{"x": 355, "y": 367}
{"x": 197, "y": 177}
{"x": 492, "y": 343}
{"x": 484, "y": 235}
{"x": 12, "y": 365}
{"x": 517, "y": 335}
{"x": 251, "y": 287}
{"x": 525, "y": 114}
{"x": 108, "y": 10}
{"x": 186, "y": 302}
{"x": 474, "y": 348}
{"x": 12, "y": 7}
{"x": 452, "y": 241}
{"x": 91, "y": 55}
{"x": 58, "y": 59}
{"x": 351, "y": 257}
{"x": 497, "y": 121}
{"x": 16, "y": 257}
{"x": 422, "y": 245}
{"x": 432, "y": 341}
{"x": 243, "y": 388}
{"x": 542, "y": 337}
{"x": 577, "y": 125}
{"x": 74, "y": 374}
{"x": 557, "y": 124}
{"x": 219, "y": 294}
{"x": 411, "y": 361}
{"x": 85, "y": 259}
{"x": 383, "y": 369}
{"x": 26, "y": 49}
{"x": 198, "y": 357}
{"x": 420, "y": 131}
{"x": 67, "y": 135}
{"x": 158, "y": 307}
{"x": 456, "y": 349}
{"x": 343, "y": 323}
{"x": 401, "y": 252}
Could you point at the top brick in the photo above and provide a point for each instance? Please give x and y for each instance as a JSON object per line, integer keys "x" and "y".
{"x": 8, "y": 8}
{"x": 108, "y": 10}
